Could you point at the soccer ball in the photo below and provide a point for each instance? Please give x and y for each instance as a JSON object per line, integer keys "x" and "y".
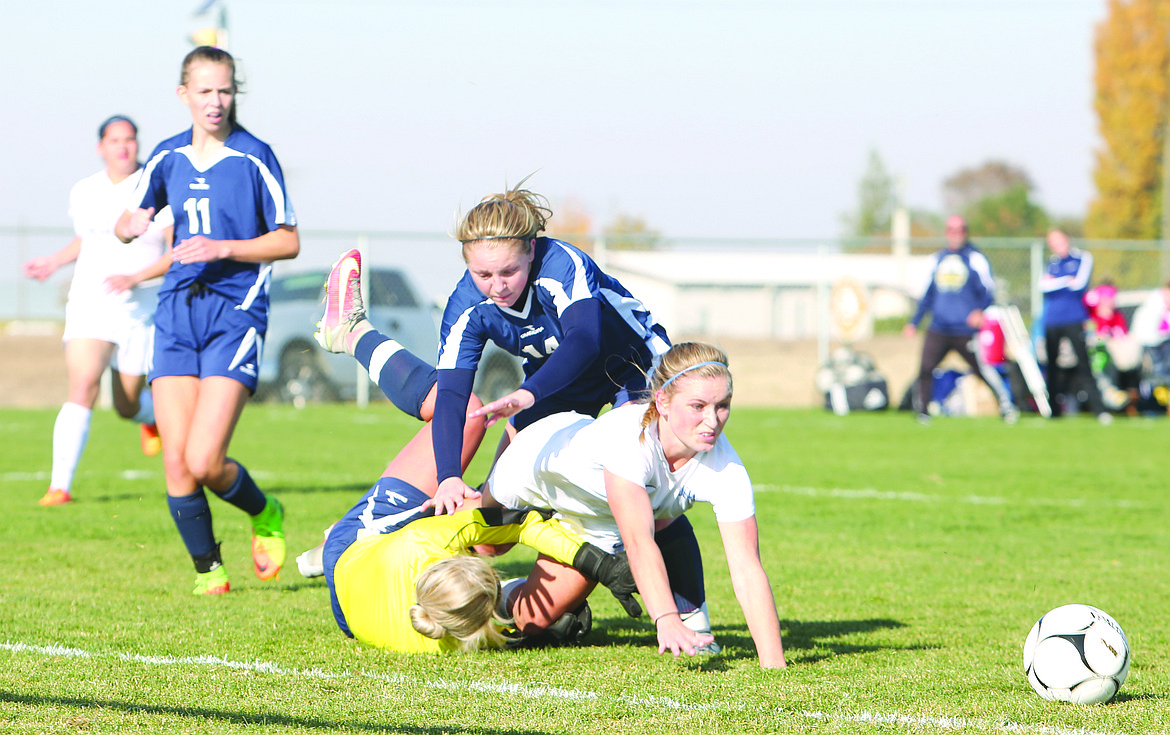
{"x": 1076, "y": 653}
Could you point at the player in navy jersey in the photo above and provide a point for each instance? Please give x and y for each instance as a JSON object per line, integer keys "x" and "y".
{"x": 232, "y": 219}
{"x": 586, "y": 340}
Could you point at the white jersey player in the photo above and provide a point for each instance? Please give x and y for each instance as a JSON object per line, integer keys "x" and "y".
{"x": 112, "y": 297}
{"x": 622, "y": 480}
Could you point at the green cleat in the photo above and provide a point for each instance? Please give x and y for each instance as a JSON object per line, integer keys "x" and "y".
{"x": 214, "y": 582}
{"x": 268, "y": 540}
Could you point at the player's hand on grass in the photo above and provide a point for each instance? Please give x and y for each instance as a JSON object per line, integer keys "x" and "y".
{"x": 450, "y": 496}
{"x": 677, "y": 638}
{"x": 505, "y": 407}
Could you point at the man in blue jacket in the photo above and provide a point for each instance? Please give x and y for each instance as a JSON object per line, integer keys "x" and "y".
{"x": 961, "y": 287}
{"x": 1064, "y": 284}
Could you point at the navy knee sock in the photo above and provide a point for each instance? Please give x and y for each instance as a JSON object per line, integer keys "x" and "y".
{"x": 405, "y": 378}
{"x": 684, "y": 564}
{"x": 244, "y": 494}
{"x": 192, "y": 517}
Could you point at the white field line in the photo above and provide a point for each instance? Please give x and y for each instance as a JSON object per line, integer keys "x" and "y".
{"x": 910, "y": 497}
{"x": 812, "y": 492}
{"x": 553, "y": 693}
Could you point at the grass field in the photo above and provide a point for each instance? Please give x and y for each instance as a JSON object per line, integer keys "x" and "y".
{"x": 908, "y": 564}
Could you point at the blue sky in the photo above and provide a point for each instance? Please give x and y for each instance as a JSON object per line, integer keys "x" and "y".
{"x": 711, "y": 118}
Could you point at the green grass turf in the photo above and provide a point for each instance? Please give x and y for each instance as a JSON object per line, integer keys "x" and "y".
{"x": 908, "y": 564}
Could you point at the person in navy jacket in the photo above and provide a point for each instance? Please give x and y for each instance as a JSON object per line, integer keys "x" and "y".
{"x": 1064, "y": 283}
{"x": 961, "y": 287}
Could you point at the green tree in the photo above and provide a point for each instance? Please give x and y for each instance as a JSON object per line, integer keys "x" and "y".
{"x": 970, "y": 185}
{"x": 627, "y": 232}
{"x": 877, "y": 197}
{"x": 1010, "y": 213}
{"x": 1133, "y": 60}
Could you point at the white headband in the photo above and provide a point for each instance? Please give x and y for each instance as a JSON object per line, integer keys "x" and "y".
{"x": 692, "y": 367}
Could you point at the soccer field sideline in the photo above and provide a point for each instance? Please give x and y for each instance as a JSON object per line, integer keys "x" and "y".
{"x": 554, "y": 693}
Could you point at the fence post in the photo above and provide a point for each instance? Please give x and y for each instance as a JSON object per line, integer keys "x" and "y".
{"x": 822, "y": 307}
{"x": 1037, "y": 269}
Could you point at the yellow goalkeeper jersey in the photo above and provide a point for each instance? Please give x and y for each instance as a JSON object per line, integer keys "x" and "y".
{"x": 374, "y": 579}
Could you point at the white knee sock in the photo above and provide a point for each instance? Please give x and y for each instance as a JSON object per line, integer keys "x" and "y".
{"x": 145, "y": 413}
{"x": 697, "y": 620}
{"x": 70, "y": 433}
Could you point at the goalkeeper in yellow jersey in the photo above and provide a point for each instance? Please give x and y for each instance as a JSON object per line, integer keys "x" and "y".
{"x": 403, "y": 579}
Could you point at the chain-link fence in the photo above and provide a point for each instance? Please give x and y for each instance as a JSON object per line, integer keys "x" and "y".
{"x": 767, "y": 288}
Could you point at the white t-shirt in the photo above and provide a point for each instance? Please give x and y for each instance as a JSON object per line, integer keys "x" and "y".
{"x": 559, "y": 464}
{"x": 95, "y": 204}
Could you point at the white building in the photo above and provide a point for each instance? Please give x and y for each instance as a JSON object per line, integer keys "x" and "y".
{"x": 765, "y": 295}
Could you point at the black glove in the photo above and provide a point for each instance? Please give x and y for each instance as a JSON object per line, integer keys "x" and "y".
{"x": 611, "y": 570}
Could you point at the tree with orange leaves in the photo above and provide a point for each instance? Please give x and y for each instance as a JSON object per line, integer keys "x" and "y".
{"x": 1133, "y": 96}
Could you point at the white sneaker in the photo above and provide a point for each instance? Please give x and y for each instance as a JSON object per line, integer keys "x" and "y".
{"x": 311, "y": 563}
{"x": 700, "y": 623}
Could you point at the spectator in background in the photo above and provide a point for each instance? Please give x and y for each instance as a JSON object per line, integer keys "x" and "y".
{"x": 1151, "y": 321}
{"x": 961, "y": 287}
{"x": 1151, "y": 329}
{"x": 1064, "y": 283}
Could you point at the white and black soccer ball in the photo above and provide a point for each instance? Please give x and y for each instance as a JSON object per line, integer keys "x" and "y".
{"x": 1076, "y": 653}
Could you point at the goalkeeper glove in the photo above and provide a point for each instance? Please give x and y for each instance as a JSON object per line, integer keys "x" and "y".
{"x": 611, "y": 570}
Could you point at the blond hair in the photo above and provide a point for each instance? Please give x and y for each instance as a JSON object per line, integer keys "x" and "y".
{"x": 516, "y": 214}
{"x": 457, "y": 597}
{"x": 692, "y": 359}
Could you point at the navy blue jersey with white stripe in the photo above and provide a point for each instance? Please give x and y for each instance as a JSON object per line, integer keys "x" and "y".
{"x": 1064, "y": 284}
{"x": 239, "y": 195}
{"x": 607, "y": 340}
{"x": 960, "y": 282}
{"x": 561, "y": 276}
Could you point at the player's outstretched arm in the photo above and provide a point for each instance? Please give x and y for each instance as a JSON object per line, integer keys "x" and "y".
{"x": 502, "y": 408}
{"x": 46, "y": 265}
{"x": 635, "y": 519}
{"x": 753, "y": 590}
